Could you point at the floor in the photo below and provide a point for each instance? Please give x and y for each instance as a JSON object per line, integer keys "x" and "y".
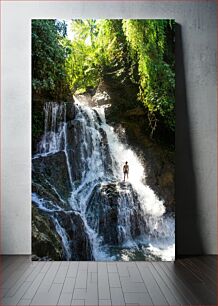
{"x": 188, "y": 281}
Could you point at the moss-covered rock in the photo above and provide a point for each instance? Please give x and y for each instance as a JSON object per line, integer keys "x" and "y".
{"x": 45, "y": 240}
{"x": 48, "y": 245}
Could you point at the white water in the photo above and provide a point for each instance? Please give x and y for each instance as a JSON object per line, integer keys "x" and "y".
{"x": 65, "y": 241}
{"x": 120, "y": 154}
{"x": 159, "y": 236}
{"x": 46, "y": 206}
{"x": 54, "y": 129}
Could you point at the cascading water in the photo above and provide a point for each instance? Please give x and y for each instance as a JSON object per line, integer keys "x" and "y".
{"x": 120, "y": 218}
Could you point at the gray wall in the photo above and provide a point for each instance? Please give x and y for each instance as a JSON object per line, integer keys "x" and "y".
{"x": 196, "y": 113}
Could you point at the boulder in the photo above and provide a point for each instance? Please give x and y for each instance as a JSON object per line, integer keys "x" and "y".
{"x": 114, "y": 212}
{"x": 46, "y": 243}
{"x": 78, "y": 239}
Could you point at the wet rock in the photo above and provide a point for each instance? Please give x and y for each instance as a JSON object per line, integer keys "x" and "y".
{"x": 106, "y": 153}
{"x": 52, "y": 171}
{"x": 70, "y": 111}
{"x": 114, "y": 213}
{"x": 48, "y": 245}
{"x": 75, "y": 138}
{"x": 80, "y": 146}
{"x": 101, "y": 97}
{"x": 102, "y": 213}
{"x": 45, "y": 240}
{"x": 86, "y": 99}
{"x": 49, "y": 196}
{"x": 97, "y": 117}
{"x": 38, "y": 118}
{"x": 77, "y": 237}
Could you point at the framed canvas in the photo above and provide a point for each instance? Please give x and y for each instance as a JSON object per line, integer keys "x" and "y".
{"x": 103, "y": 127}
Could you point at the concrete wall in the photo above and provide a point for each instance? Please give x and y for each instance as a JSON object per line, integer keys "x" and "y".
{"x": 196, "y": 113}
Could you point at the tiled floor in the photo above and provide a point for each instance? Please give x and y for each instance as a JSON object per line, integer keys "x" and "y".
{"x": 188, "y": 281}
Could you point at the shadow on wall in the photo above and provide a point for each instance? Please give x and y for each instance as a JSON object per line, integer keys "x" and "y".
{"x": 188, "y": 228}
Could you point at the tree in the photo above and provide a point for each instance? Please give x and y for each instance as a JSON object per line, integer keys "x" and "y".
{"x": 48, "y": 58}
{"x": 137, "y": 51}
{"x": 149, "y": 46}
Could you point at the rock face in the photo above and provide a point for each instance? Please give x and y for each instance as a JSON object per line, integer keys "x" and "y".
{"x": 70, "y": 111}
{"x": 57, "y": 231}
{"x": 78, "y": 240}
{"x": 38, "y": 119}
{"x": 50, "y": 173}
{"x": 61, "y": 235}
{"x": 114, "y": 213}
{"x": 45, "y": 240}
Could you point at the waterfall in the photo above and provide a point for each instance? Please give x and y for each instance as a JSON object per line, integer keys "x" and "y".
{"x": 65, "y": 241}
{"x": 54, "y": 128}
{"x": 94, "y": 160}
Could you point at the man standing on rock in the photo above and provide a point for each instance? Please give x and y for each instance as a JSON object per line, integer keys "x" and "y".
{"x": 126, "y": 170}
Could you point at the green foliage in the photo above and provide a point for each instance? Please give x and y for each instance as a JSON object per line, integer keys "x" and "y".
{"x": 83, "y": 65}
{"x": 98, "y": 48}
{"x": 139, "y": 50}
{"x": 48, "y": 58}
{"x": 149, "y": 44}
{"x": 136, "y": 51}
{"x": 111, "y": 46}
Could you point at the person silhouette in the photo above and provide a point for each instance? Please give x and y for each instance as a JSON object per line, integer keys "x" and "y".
{"x": 126, "y": 170}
